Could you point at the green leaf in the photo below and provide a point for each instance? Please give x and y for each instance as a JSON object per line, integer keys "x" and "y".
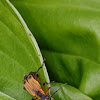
{"x": 19, "y": 54}
{"x": 68, "y": 93}
{"x": 68, "y": 33}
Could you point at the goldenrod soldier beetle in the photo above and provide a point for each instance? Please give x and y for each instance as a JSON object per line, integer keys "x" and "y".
{"x": 32, "y": 85}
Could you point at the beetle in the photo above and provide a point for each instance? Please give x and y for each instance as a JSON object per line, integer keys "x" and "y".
{"x": 32, "y": 85}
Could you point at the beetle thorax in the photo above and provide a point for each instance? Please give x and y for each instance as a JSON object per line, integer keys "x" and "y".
{"x": 44, "y": 97}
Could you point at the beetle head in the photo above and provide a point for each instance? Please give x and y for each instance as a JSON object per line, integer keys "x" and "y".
{"x": 44, "y": 97}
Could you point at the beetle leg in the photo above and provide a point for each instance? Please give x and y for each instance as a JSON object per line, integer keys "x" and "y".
{"x": 43, "y": 87}
{"x": 46, "y": 83}
{"x": 47, "y": 90}
{"x": 38, "y": 79}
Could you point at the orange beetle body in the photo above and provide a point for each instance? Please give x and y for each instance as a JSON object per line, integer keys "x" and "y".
{"x": 31, "y": 84}
{"x": 34, "y": 88}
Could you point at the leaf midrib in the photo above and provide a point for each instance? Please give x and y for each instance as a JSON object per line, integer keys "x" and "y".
{"x": 6, "y": 95}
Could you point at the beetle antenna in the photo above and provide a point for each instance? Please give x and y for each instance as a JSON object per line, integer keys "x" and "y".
{"x": 58, "y": 90}
{"x": 41, "y": 65}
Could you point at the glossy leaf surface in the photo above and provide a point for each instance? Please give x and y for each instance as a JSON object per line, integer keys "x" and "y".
{"x": 18, "y": 54}
{"x": 68, "y": 33}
